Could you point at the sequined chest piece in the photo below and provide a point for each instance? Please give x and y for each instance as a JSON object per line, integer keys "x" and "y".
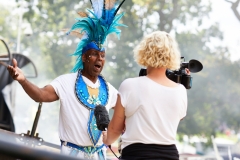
{"x": 89, "y": 98}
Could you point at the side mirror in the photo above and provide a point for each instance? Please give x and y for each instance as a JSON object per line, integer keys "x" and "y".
{"x": 5, "y": 54}
{"x": 27, "y": 66}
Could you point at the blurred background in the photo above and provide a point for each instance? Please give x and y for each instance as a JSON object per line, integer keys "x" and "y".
{"x": 206, "y": 30}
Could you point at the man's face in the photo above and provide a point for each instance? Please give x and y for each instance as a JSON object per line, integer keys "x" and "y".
{"x": 93, "y": 62}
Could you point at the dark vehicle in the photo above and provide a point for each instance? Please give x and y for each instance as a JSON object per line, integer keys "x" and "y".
{"x": 25, "y": 145}
{"x": 6, "y": 90}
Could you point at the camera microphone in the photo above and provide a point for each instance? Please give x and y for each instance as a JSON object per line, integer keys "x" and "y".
{"x": 102, "y": 118}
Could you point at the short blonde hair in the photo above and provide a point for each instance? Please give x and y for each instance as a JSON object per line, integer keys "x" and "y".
{"x": 158, "y": 49}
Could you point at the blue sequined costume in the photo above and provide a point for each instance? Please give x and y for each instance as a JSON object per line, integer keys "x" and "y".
{"x": 93, "y": 28}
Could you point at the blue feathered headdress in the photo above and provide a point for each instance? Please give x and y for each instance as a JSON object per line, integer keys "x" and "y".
{"x": 93, "y": 27}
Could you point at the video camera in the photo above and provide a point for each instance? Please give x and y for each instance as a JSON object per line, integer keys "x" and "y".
{"x": 180, "y": 76}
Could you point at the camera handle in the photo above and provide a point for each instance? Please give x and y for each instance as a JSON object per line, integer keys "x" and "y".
{"x": 186, "y": 80}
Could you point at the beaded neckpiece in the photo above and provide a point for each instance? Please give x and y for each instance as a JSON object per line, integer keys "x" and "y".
{"x": 90, "y": 102}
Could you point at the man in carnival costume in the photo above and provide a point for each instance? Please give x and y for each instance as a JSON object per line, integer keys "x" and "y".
{"x": 81, "y": 91}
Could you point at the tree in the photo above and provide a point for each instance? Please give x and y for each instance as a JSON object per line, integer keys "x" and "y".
{"x": 234, "y": 8}
{"x": 213, "y": 97}
{"x": 174, "y": 17}
{"x": 48, "y": 20}
{"x": 209, "y": 106}
{"x": 141, "y": 18}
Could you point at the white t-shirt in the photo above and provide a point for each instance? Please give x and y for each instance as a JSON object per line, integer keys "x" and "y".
{"x": 152, "y": 111}
{"x": 73, "y": 117}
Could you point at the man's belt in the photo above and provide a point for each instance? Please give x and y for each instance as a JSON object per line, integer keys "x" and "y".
{"x": 89, "y": 150}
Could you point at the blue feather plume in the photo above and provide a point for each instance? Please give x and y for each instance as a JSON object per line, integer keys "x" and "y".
{"x": 95, "y": 27}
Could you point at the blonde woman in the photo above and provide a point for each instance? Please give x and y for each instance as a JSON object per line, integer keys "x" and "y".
{"x": 150, "y": 107}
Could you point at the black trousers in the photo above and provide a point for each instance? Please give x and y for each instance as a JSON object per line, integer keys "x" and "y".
{"x": 139, "y": 151}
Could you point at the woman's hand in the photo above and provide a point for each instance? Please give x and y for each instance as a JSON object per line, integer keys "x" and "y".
{"x": 187, "y": 71}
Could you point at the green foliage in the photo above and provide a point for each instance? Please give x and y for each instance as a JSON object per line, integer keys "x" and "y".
{"x": 213, "y": 98}
{"x": 53, "y": 45}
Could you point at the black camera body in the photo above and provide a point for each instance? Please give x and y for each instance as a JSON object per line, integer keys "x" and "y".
{"x": 180, "y": 76}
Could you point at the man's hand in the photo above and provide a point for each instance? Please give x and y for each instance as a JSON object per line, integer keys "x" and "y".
{"x": 15, "y": 72}
{"x": 104, "y": 136}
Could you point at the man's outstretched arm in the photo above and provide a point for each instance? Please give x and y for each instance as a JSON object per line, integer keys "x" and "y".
{"x": 45, "y": 94}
